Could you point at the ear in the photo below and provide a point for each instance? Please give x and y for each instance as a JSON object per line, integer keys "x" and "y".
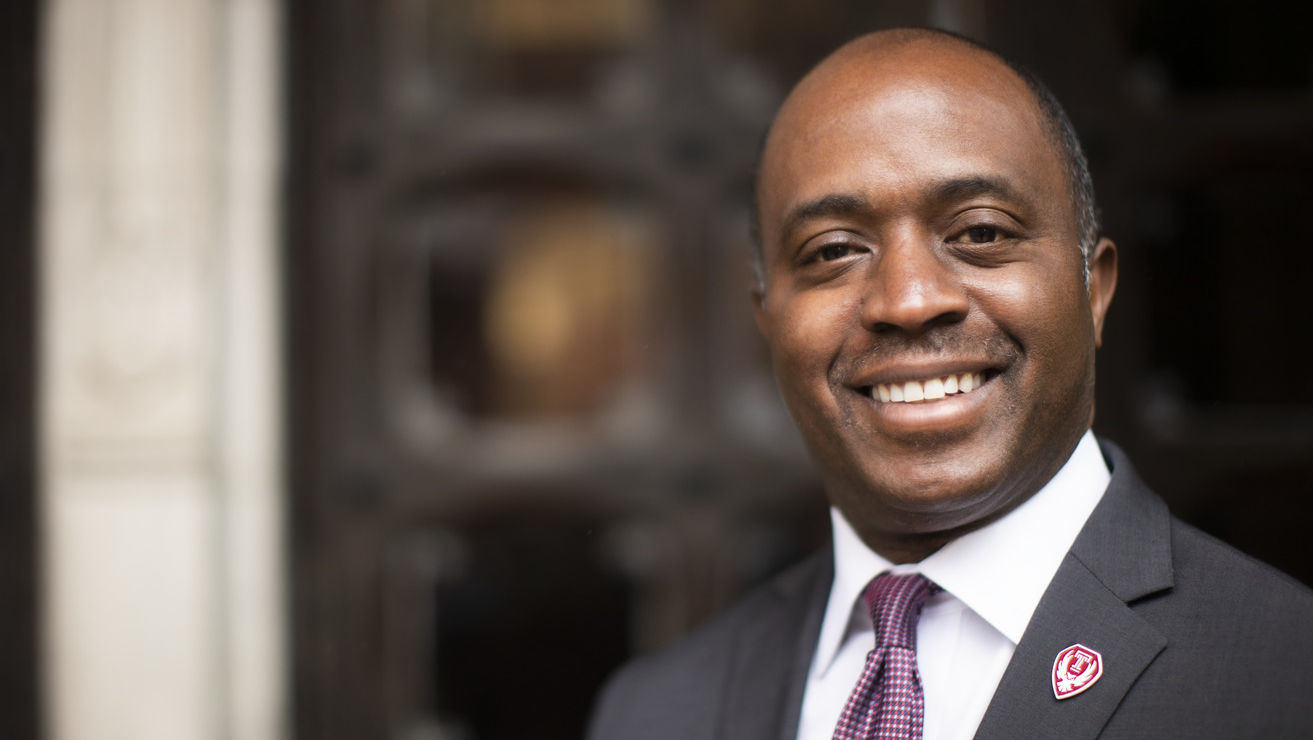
{"x": 1103, "y": 283}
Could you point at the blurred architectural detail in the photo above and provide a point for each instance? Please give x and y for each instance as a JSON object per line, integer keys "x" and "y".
{"x": 563, "y": 314}
{"x": 530, "y": 422}
{"x": 160, "y": 413}
{"x": 507, "y": 319}
{"x": 530, "y": 414}
{"x": 567, "y": 24}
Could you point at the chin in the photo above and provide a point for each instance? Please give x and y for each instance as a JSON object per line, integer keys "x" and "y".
{"x": 923, "y": 499}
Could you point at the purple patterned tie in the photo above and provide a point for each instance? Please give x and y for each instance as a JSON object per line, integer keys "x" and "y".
{"x": 887, "y": 703}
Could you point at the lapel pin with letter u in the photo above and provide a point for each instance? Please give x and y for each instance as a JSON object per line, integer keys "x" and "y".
{"x": 1076, "y": 669}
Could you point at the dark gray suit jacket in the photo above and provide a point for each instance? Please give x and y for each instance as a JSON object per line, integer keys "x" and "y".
{"x": 1198, "y": 641}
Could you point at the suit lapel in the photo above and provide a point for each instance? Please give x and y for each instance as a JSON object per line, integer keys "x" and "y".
{"x": 1077, "y": 608}
{"x": 1122, "y": 554}
{"x": 771, "y": 656}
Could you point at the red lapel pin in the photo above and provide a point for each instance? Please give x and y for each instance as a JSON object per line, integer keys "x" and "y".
{"x": 1074, "y": 670}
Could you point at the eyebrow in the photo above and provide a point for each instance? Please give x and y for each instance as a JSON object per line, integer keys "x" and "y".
{"x": 947, "y": 191}
{"x": 963, "y": 188}
{"x": 835, "y": 204}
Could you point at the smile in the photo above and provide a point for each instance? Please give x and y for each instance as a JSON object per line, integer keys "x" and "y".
{"x": 930, "y": 389}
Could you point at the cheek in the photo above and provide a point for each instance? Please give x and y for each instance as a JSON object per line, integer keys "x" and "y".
{"x": 805, "y": 338}
{"x": 1040, "y": 311}
{"x": 1048, "y": 320}
{"x": 810, "y": 330}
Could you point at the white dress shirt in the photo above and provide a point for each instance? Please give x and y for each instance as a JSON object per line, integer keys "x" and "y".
{"x": 992, "y": 578}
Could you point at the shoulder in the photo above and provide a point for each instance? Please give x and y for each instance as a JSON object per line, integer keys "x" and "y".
{"x": 678, "y": 691}
{"x": 1238, "y": 660}
{"x": 1218, "y": 581}
{"x": 1236, "y": 656}
{"x": 1134, "y": 542}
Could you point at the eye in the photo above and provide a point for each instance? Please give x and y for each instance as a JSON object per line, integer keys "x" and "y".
{"x": 982, "y": 234}
{"x": 831, "y": 252}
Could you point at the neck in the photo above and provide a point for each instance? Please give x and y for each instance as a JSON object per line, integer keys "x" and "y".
{"x": 910, "y": 548}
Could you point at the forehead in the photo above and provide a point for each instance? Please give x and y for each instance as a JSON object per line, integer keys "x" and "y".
{"x": 888, "y": 125}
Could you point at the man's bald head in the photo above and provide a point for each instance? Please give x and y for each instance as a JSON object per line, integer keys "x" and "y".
{"x": 917, "y": 224}
{"x": 849, "y": 60}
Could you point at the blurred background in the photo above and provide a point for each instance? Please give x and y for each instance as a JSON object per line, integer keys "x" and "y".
{"x": 385, "y": 368}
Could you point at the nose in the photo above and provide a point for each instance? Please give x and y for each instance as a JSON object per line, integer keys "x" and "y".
{"x": 911, "y": 289}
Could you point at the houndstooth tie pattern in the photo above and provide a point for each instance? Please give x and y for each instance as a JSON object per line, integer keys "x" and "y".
{"x": 887, "y": 703}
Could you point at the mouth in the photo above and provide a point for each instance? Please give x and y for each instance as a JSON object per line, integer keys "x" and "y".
{"x": 939, "y": 402}
{"x": 928, "y": 389}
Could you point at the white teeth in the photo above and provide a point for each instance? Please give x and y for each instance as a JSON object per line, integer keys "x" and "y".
{"x": 912, "y": 391}
{"x": 933, "y": 389}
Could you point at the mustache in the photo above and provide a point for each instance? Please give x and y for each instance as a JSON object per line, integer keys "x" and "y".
{"x": 936, "y": 345}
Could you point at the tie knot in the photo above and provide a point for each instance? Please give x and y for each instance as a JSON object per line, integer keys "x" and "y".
{"x": 895, "y": 603}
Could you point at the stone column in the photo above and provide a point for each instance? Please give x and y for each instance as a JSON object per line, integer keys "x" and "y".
{"x": 160, "y": 398}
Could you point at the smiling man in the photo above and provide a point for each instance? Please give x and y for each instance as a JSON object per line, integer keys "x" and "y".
{"x": 933, "y": 287}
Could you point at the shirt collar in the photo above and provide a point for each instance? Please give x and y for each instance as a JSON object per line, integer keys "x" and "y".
{"x": 999, "y": 571}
